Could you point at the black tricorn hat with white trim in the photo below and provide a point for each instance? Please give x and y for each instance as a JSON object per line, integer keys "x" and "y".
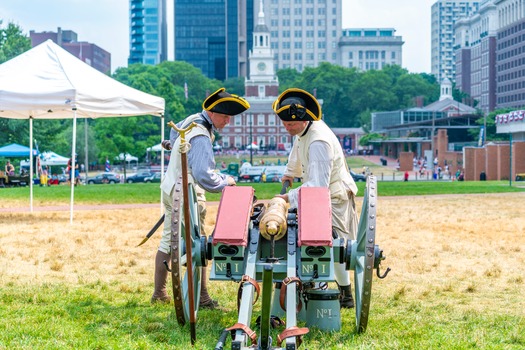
{"x": 297, "y": 105}
{"x": 225, "y": 103}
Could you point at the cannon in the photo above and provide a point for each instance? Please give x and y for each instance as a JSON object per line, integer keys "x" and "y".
{"x": 282, "y": 257}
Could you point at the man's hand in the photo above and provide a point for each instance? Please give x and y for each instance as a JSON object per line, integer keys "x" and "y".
{"x": 231, "y": 181}
{"x": 166, "y": 144}
{"x": 287, "y": 178}
{"x": 283, "y": 196}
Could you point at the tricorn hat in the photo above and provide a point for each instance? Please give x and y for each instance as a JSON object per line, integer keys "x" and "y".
{"x": 297, "y": 105}
{"x": 225, "y": 103}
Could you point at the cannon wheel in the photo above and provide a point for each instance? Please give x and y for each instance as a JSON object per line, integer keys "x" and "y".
{"x": 179, "y": 267}
{"x": 364, "y": 254}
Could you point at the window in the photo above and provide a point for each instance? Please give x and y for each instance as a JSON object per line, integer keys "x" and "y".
{"x": 238, "y": 120}
{"x": 271, "y": 119}
{"x": 260, "y": 120}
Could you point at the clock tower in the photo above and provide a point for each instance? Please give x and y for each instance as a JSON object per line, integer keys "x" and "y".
{"x": 262, "y": 81}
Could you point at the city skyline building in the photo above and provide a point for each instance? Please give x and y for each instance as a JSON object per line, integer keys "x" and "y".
{"x": 370, "y": 48}
{"x": 444, "y": 14}
{"x": 510, "y": 54}
{"x": 475, "y": 52}
{"x": 304, "y": 32}
{"x": 148, "y": 43}
{"x": 214, "y": 36}
{"x": 89, "y": 53}
{"x": 490, "y": 55}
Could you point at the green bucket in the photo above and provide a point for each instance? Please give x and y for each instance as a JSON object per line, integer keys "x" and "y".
{"x": 323, "y": 310}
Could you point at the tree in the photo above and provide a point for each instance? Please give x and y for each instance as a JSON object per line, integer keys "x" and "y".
{"x": 374, "y": 91}
{"x": 12, "y": 42}
{"x": 332, "y": 84}
{"x": 491, "y": 126}
{"x": 288, "y": 78}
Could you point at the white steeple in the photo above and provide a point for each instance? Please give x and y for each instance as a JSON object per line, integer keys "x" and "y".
{"x": 261, "y": 61}
{"x": 446, "y": 89}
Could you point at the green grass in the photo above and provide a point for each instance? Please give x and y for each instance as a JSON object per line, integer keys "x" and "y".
{"x": 150, "y": 193}
{"x": 118, "y": 316}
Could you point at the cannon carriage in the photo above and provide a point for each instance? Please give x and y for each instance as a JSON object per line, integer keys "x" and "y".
{"x": 274, "y": 261}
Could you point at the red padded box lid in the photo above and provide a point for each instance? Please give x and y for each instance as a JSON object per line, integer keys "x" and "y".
{"x": 233, "y": 216}
{"x": 314, "y": 213}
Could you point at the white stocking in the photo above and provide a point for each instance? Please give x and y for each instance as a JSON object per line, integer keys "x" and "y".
{"x": 342, "y": 277}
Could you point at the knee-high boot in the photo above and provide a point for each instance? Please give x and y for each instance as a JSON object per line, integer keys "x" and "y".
{"x": 206, "y": 302}
{"x": 160, "y": 294}
{"x": 346, "y": 299}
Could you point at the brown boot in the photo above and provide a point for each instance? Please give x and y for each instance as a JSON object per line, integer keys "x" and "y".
{"x": 206, "y": 302}
{"x": 345, "y": 297}
{"x": 160, "y": 294}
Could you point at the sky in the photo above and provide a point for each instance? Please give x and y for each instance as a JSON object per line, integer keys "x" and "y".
{"x": 106, "y": 23}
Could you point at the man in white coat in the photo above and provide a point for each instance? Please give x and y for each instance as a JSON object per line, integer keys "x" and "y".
{"x": 217, "y": 111}
{"x": 318, "y": 158}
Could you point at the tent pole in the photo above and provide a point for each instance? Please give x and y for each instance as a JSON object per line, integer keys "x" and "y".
{"x": 86, "y": 164}
{"x": 72, "y": 170}
{"x": 31, "y": 164}
{"x": 161, "y": 161}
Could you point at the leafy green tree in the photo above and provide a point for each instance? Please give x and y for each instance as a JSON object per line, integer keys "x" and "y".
{"x": 332, "y": 84}
{"x": 288, "y": 78}
{"x": 409, "y": 86}
{"x": 374, "y": 91}
{"x": 12, "y": 42}
{"x": 235, "y": 85}
{"x": 365, "y": 118}
{"x": 491, "y": 126}
{"x": 365, "y": 140}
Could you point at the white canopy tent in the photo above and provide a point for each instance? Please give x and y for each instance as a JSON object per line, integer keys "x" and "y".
{"x": 156, "y": 148}
{"x": 51, "y": 159}
{"x": 47, "y": 82}
{"x": 128, "y": 158}
{"x": 48, "y": 158}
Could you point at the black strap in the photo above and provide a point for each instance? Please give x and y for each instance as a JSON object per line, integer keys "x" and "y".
{"x": 202, "y": 121}
{"x": 307, "y": 128}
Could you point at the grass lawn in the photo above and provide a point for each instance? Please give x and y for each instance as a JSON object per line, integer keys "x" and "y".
{"x": 150, "y": 193}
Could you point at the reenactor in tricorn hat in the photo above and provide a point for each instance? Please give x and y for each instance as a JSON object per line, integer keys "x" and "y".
{"x": 317, "y": 157}
{"x": 218, "y": 108}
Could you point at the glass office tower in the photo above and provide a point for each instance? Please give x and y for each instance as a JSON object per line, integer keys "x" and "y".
{"x": 148, "y": 31}
{"x": 214, "y": 35}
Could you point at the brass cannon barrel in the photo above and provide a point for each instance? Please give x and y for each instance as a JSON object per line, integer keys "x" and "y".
{"x": 273, "y": 223}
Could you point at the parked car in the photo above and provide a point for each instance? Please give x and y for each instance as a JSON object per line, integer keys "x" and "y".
{"x": 138, "y": 177}
{"x": 153, "y": 178}
{"x": 358, "y": 177}
{"x": 104, "y": 178}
